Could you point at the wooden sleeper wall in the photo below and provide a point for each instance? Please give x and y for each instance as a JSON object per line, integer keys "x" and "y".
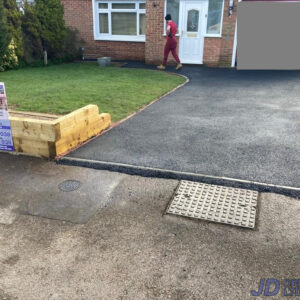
{"x": 50, "y": 138}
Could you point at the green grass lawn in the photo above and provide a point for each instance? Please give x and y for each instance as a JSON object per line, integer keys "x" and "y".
{"x": 63, "y": 88}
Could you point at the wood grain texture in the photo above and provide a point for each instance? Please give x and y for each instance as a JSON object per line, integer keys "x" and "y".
{"x": 49, "y": 138}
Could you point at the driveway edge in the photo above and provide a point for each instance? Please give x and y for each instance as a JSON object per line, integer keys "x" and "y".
{"x": 169, "y": 174}
{"x": 187, "y": 80}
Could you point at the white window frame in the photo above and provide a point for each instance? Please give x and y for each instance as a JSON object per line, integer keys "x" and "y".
{"x": 212, "y": 35}
{"x": 218, "y": 35}
{"x": 108, "y": 36}
{"x": 179, "y": 16}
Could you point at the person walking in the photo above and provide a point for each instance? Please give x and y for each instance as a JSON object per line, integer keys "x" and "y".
{"x": 171, "y": 44}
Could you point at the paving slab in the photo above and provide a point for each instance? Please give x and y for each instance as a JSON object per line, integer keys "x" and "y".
{"x": 42, "y": 188}
{"x": 240, "y": 128}
{"x": 215, "y": 203}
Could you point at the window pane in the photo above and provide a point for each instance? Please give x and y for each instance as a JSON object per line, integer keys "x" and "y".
{"x": 103, "y": 23}
{"x": 123, "y": 5}
{"x": 214, "y": 16}
{"x": 123, "y": 23}
{"x": 173, "y": 10}
{"x": 142, "y": 5}
{"x": 142, "y": 24}
{"x": 192, "y": 20}
{"x": 103, "y": 5}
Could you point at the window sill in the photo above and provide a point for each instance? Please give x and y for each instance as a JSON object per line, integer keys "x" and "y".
{"x": 213, "y": 35}
{"x": 121, "y": 38}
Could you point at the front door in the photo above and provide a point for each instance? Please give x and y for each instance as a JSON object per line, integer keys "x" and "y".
{"x": 193, "y": 20}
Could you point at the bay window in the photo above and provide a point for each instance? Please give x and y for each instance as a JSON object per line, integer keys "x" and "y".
{"x": 120, "y": 21}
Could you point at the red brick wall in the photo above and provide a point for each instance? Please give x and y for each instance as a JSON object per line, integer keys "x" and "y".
{"x": 154, "y": 31}
{"x": 217, "y": 51}
{"x": 155, "y": 41}
{"x": 79, "y": 14}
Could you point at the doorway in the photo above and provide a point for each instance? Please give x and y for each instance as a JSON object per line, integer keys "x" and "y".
{"x": 193, "y": 20}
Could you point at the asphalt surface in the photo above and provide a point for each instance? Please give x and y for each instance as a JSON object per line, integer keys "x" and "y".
{"x": 242, "y": 125}
{"x": 126, "y": 247}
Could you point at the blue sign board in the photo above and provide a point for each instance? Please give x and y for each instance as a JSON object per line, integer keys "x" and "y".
{"x": 6, "y": 142}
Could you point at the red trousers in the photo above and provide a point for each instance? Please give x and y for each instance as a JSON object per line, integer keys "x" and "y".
{"x": 171, "y": 45}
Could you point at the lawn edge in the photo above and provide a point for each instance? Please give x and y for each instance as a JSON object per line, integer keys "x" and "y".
{"x": 187, "y": 80}
{"x": 113, "y": 125}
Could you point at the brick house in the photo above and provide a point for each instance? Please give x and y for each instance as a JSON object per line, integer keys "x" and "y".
{"x": 135, "y": 29}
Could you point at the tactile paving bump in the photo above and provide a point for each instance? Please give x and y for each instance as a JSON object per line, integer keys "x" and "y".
{"x": 215, "y": 203}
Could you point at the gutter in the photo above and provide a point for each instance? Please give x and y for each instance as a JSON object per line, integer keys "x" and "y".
{"x": 233, "y": 61}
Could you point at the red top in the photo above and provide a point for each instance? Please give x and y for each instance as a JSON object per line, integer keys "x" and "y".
{"x": 173, "y": 29}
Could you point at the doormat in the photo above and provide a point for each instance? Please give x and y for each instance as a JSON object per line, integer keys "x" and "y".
{"x": 215, "y": 203}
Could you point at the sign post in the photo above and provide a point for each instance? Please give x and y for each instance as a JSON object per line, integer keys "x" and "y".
{"x": 6, "y": 142}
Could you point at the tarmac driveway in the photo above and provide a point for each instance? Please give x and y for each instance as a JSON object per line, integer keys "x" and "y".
{"x": 225, "y": 126}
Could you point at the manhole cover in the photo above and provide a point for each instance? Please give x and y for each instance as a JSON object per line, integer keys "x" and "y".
{"x": 215, "y": 203}
{"x": 69, "y": 185}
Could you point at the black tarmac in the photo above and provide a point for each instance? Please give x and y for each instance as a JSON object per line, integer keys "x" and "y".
{"x": 238, "y": 128}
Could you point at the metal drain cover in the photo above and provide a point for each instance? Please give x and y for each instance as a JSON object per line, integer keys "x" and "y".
{"x": 69, "y": 185}
{"x": 215, "y": 203}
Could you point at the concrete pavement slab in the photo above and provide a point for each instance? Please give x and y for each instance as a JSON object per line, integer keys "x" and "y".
{"x": 35, "y": 189}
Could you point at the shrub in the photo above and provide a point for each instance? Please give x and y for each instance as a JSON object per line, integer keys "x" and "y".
{"x": 5, "y": 36}
{"x": 50, "y": 14}
{"x": 13, "y": 16}
{"x": 33, "y": 49}
{"x": 9, "y": 60}
{"x": 40, "y": 27}
{"x": 73, "y": 42}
